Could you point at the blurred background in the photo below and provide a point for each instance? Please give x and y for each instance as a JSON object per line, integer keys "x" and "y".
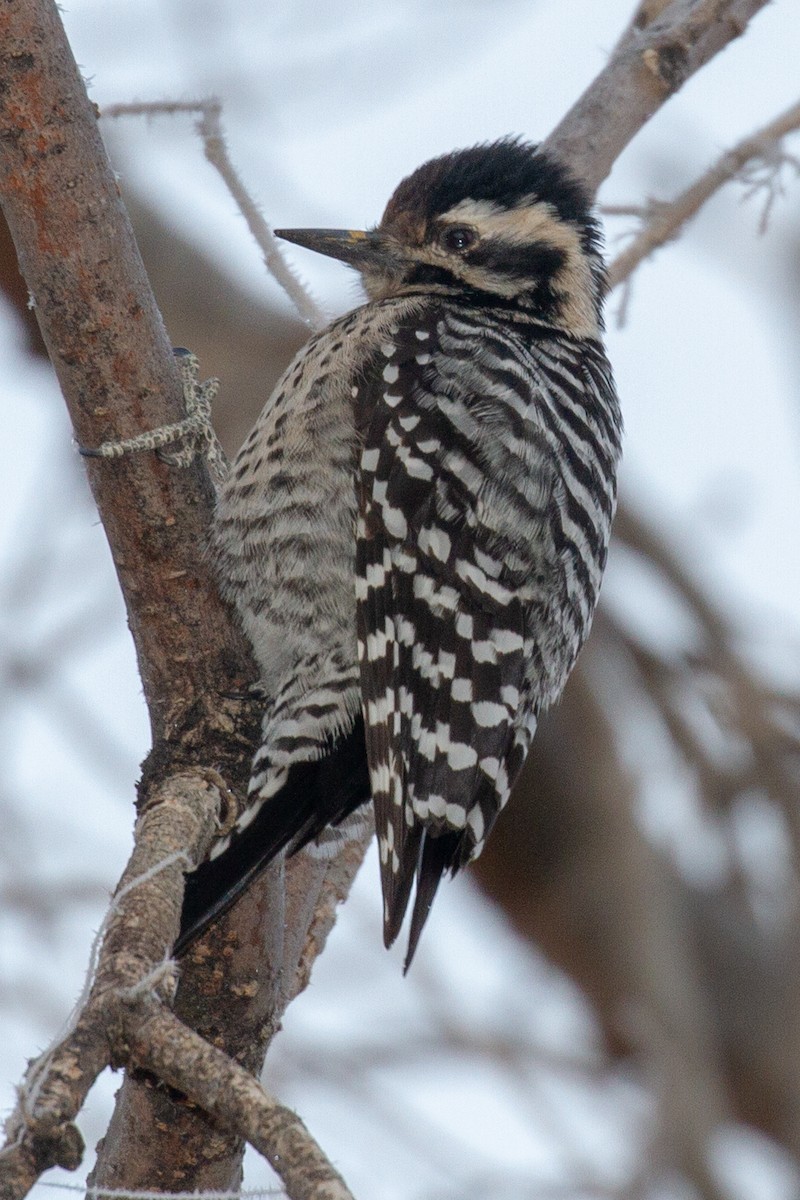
{"x": 607, "y": 1005}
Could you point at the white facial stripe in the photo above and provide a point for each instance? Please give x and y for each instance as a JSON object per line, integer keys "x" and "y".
{"x": 530, "y": 221}
{"x": 467, "y": 211}
{"x": 536, "y": 221}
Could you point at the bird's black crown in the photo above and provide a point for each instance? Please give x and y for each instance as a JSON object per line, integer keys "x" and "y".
{"x": 504, "y": 172}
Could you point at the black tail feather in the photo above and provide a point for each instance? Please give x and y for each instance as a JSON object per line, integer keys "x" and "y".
{"x": 437, "y": 854}
{"x": 318, "y": 793}
{"x": 397, "y": 886}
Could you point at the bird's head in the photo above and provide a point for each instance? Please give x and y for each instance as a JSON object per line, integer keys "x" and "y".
{"x": 504, "y": 223}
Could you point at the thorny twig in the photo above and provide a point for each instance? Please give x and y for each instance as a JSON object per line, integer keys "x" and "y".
{"x": 755, "y": 160}
{"x": 216, "y": 150}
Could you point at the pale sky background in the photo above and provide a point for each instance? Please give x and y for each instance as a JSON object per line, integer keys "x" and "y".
{"x": 326, "y": 109}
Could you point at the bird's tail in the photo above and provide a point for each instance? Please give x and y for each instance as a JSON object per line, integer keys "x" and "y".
{"x": 316, "y": 794}
{"x": 437, "y": 853}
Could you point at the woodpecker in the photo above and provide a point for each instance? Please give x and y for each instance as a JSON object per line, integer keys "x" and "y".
{"x": 414, "y": 533}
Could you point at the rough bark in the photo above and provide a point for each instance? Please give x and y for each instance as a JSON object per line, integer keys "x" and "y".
{"x": 112, "y": 357}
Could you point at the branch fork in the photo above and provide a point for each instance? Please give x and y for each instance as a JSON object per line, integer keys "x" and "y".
{"x": 124, "y": 1020}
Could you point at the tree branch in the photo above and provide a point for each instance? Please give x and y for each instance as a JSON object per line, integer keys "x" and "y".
{"x": 666, "y": 220}
{"x": 114, "y": 363}
{"x": 160, "y": 1043}
{"x": 215, "y": 147}
{"x": 123, "y": 1019}
{"x": 175, "y": 828}
{"x": 115, "y": 367}
{"x": 663, "y": 46}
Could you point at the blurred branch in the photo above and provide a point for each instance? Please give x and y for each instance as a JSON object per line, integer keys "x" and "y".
{"x": 754, "y": 713}
{"x": 599, "y": 900}
{"x": 215, "y": 146}
{"x": 580, "y": 880}
{"x": 663, "y": 220}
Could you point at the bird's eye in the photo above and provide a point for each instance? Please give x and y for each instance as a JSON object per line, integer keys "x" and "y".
{"x": 458, "y": 238}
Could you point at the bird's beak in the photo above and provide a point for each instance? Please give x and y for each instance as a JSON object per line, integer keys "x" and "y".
{"x": 366, "y": 250}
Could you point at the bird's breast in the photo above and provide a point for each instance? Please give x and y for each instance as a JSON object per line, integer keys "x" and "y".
{"x": 284, "y": 529}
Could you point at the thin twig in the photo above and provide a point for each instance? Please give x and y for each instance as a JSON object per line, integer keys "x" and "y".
{"x": 216, "y": 150}
{"x": 665, "y": 220}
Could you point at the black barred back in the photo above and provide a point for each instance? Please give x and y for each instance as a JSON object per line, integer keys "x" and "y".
{"x": 486, "y": 497}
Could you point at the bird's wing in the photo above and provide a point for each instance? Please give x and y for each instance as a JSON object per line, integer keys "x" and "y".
{"x": 442, "y": 560}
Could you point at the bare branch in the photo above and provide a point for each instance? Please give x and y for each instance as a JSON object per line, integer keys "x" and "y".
{"x": 664, "y": 45}
{"x": 664, "y": 220}
{"x": 122, "y": 1018}
{"x": 314, "y": 889}
{"x": 647, "y": 11}
{"x": 223, "y": 1089}
{"x": 216, "y": 150}
{"x": 116, "y": 369}
{"x": 113, "y": 361}
{"x": 174, "y": 830}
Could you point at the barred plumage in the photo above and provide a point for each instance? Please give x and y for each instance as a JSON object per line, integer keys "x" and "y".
{"x": 415, "y": 531}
